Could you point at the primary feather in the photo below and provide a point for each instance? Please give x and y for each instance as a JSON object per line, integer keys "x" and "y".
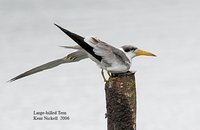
{"x": 72, "y": 57}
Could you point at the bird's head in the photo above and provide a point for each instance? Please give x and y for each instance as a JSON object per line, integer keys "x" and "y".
{"x": 132, "y": 51}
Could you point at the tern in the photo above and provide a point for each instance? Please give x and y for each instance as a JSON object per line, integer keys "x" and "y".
{"x": 113, "y": 60}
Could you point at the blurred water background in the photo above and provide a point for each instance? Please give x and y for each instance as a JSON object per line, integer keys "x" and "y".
{"x": 168, "y": 86}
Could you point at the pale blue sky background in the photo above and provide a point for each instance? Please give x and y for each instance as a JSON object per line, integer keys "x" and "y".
{"x": 168, "y": 86}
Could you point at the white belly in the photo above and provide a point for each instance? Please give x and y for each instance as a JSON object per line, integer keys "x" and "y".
{"x": 118, "y": 69}
{"x": 114, "y": 68}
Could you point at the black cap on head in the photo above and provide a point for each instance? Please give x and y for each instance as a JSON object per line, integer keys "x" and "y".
{"x": 128, "y": 48}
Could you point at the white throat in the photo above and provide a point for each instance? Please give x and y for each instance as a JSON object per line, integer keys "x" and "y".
{"x": 129, "y": 55}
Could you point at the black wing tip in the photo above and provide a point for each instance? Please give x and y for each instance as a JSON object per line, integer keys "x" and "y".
{"x": 57, "y": 25}
{"x": 67, "y": 32}
{"x": 72, "y": 35}
{"x": 15, "y": 78}
{"x": 11, "y": 80}
{"x": 80, "y": 40}
{"x": 61, "y": 28}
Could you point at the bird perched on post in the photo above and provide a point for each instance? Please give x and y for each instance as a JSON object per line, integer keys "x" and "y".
{"x": 113, "y": 60}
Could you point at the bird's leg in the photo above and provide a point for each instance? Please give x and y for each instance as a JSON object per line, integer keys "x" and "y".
{"x": 112, "y": 77}
{"x": 109, "y": 74}
{"x": 102, "y": 73}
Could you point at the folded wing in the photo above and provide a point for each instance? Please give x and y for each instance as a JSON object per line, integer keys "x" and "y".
{"x": 110, "y": 55}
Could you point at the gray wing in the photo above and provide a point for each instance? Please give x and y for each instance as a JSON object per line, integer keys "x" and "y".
{"x": 72, "y": 57}
{"x": 110, "y": 55}
{"x": 77, "y": 47}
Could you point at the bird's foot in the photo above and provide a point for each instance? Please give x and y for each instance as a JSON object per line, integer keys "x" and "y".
{"x": 109, "y": 73}
{"x": 112, "y": 78}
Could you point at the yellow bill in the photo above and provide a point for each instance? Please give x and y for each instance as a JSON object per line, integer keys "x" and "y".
{"x": 139, "y": 52}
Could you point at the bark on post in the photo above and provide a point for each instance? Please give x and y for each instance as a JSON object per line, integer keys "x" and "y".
{"x": 121, "y": 102}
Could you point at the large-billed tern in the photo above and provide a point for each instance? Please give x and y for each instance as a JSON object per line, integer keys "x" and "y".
{"x": 113, "y": 60}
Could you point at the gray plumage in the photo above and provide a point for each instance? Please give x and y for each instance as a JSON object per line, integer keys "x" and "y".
{"x": 111, "y": 56}
{"x": 107, "y": 57}
{"x": 72, "y": 57}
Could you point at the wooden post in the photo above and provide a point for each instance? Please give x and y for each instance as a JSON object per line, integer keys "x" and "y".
{"x": 121, "y": 102}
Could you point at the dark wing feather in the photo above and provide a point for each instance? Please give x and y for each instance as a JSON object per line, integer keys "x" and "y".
{"x": 80, "y": 40}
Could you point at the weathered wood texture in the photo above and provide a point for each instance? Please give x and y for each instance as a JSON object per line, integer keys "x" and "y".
{"x": 121, "y": 102}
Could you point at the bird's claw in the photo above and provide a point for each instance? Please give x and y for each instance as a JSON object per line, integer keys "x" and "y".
{"x": 112, "y": 78}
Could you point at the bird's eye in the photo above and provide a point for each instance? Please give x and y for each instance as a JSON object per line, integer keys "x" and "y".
{"x": 129, "y": 48}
